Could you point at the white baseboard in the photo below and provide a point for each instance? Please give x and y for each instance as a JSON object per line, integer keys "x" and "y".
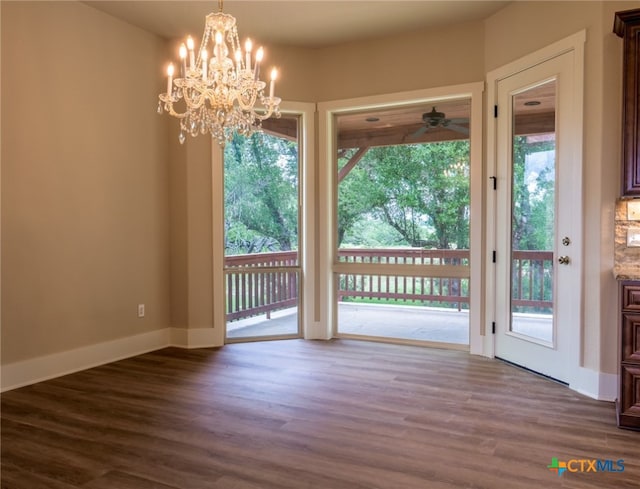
{"x": 194, "y": 338}
{"x": 25, "y": 372}
{"x": 608, "y": 387}
{"x": 597, "y": 385}
{"x": 19, "y": 374}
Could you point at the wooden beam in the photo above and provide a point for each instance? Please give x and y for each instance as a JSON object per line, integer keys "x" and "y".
{"x": 390, "y": 136}
{"x": 344, "y": 171}
{"x": 285, "y": 127}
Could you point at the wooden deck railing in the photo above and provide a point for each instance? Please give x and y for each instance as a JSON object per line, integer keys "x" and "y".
{"x": 532, "y": 280}
{"x": 261, "y": 283}
{"x": 251, "y": 291}
{"x": 417, "y": 290}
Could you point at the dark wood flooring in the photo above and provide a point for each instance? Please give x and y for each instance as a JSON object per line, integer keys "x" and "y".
{"x": 308, "y": 414}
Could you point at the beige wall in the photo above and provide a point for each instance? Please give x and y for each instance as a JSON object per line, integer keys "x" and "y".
{"x": 85, "y": 190}
{"x": 100, "y": 213}
{"x": 416, "y": 60}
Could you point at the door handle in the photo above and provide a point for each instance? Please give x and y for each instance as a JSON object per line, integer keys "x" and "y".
{"x": 564, "y": 260}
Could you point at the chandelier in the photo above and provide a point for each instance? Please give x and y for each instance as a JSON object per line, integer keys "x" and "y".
{"x": 214, "y": 93}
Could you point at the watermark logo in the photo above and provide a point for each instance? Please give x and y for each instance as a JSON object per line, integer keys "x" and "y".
{"x": 585, "y": 465}
{"x": 557, "y": 467}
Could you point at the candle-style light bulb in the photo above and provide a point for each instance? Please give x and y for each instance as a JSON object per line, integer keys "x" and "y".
{"x": 259, "y": 56}
{"x": 248, "y": 46}
{"x": 204, "y": 55}
{"x": 238, "y": 61}
{"x": 192, "y": 57}
{"x": 169, "y": 78}
{"x": 217, "y": 49}
{"x": 183, "y": 59}
{"x": 272, "y": 87}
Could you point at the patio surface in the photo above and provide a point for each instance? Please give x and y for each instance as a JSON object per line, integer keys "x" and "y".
{"x": 404, "y": 322}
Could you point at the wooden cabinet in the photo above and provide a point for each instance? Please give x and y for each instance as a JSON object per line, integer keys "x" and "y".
{"x": 629, "y": 395}
{"x": 627, "y": 26}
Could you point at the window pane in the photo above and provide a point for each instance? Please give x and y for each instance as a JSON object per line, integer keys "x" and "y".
{"x": 533, "y": 214}
{"x": 403, "y": 180}
{"x": 261, "y": 175}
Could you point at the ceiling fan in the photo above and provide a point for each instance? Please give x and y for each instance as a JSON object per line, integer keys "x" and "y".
{"x": 435, "y": 119}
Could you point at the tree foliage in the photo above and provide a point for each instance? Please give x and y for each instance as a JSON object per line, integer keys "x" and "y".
{"x": 533, "y": 182}
{"x": 421, "y": 191}
{"x": 261, "y": 194}
{"x": 407, "y": 195}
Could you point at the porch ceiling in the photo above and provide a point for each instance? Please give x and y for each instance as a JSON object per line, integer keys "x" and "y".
{"x": 402, "y": 124}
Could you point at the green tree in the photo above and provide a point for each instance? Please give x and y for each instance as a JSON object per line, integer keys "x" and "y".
{"x": 533, "y": 182}
{"x": 261, "y": 194}
{"x": 421, "y": 191}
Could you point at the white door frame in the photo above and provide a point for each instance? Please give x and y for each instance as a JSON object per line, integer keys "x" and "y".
{"x": 308, "y": 226}
{"x": 573, "y": 43}
{"x": 327, "y": 162}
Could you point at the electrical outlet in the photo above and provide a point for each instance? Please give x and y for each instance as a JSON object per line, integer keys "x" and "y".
{"x": 140, "y": 310}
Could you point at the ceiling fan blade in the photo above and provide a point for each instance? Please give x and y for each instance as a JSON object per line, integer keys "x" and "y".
{"x": 419, "y": 132}
{"x": 460, "y": 129}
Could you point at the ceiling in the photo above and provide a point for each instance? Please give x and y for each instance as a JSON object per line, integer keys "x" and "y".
{"x": 401, "y": 125}
{"x": 301, "y": 23}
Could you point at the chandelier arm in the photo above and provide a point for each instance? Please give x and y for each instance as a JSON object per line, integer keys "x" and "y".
{"x": 178, "y": 115}
{"x": 246, "y": 107}
{"x": 268, "y": 113}
{"x": 198, "y": 102}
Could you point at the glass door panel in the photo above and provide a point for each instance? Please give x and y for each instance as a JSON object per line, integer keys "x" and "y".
{"x": 533, "y": 209}
{"x": 262, "y": 262}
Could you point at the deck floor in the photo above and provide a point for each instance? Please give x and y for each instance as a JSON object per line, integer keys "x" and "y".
{"x": 402, "y": 322}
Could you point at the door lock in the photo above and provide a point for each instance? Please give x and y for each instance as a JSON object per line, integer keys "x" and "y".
{"x": 564, "y": 260}
{"x": 566, "y": 241}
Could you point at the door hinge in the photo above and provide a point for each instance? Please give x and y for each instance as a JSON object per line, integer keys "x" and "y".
{"x": 495, "y": 182}
{"x": 495, "y": 111}
{"x": 493, "y": 327}
{"x": 493, "y": 256}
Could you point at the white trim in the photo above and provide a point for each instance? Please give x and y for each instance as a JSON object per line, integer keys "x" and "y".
{"x": 308, "y": 225}
{"x": 217, "y": 250}
{"x": 326, "y": 149}
{"x": 47, "y": 367}
{"x": 193, "y": 338}
{"x": 597, "y": 385}
{"x": 477, "y": 295}
{"x": 574, "y": 42}
{"x": 306, "y": 112}
{"x": 26, "y": 372}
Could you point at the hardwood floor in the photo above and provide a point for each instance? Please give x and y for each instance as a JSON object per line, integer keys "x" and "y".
{"x": 303, "y": 414}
